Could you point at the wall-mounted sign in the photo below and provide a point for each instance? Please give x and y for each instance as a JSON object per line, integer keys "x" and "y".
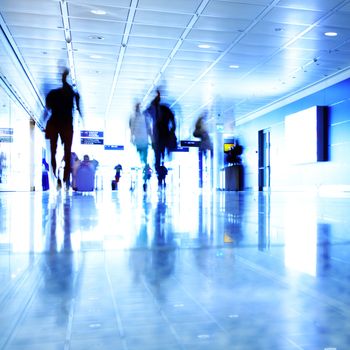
{"x": 181, "y": 149}
{"x": 91, "y": 137}
{"x": 91, "y": 141}
{"x": 190, "y": 143}
{"x": 6, "y": 134}
{"x": 91, "y": 133}
{"x": 114, "y": 147}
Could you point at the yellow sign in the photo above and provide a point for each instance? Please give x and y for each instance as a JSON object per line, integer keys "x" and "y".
{"x": 227, "y": 239}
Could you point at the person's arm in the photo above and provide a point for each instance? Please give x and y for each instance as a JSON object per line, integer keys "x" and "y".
{"x": 77, "y": 103}
{"x": 172, "y": 120}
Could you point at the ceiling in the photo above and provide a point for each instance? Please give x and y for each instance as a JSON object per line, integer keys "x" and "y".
{"x": 258, "y": 52}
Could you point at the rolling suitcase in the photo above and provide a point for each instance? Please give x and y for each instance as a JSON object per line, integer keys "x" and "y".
{"x": 85, "y": 178}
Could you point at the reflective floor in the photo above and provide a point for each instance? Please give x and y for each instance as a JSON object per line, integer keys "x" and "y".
{"x": 174, "y": 270}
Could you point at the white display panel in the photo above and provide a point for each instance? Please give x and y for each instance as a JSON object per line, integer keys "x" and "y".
{"x": 301, "y": 136}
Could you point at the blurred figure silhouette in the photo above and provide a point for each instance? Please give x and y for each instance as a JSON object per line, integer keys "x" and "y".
{"x": 60, "y": 102}
{"x": 163, "y": 129}
{"x": 58, "y": 264}
{"x": 118, "y": 174}
{"x": 147, "y": 173}
{"x": 163, "y": 250}
{"x": 140, "y": 132}
{"x": 201, "y": 131}
{"x": 162, "y": 173}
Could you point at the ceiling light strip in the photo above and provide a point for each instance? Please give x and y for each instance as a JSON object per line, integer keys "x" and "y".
{"x": 68, "y": 39}
{"x": 228, "y": 49}
{"x": 17, "y": 59}
{"x": 178, "y": 44}
{"x": 124, "y": 43}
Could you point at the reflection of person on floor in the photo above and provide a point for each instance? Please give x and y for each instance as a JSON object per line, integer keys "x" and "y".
{"x": 58, "y": 265}
{"x": 147, "y": 173}
{"x": 162, "y": 173}
{"x": 2, "y": 164}
{"x": 163, "y": 249}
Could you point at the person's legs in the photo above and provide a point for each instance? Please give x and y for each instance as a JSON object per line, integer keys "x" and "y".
{"x": 67, "y": 139}
{"x": 157, "y": 157}
{"x": 143, "y": 152}
{"x": 53, "y": 149}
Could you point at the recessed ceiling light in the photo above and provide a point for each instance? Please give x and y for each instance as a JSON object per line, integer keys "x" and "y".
{"x": 234, "y": 66}
{"x": 96, "y": 37}
{"x": 204, "y": 46}
{"x": 98, "y": 12}
{"x": 330, "y": 34}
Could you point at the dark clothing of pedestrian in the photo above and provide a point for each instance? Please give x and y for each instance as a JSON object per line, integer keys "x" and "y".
{"x": 163, "y": 129}
{"x": 61, "y": 104}
{"x": 162, "y": 173}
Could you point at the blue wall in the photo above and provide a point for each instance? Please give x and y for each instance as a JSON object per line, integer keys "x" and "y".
{"x": 331, "y": 175}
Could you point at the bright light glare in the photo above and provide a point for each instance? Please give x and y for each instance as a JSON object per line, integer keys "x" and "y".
{"x": 204, "y": 46}
{"x": 301, "y": 237}
{"x": 98, "y": 12}
{"x": 330, "y": 34}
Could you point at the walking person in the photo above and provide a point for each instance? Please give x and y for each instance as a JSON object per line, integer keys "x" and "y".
{"x": 163, "y": 129}
{"x": 60, "y": 102}
{"x": 140, "y": 133}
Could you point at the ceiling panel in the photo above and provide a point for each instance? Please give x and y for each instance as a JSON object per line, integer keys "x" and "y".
{"x": 152, "y": 43}
{"x": 31, "y": 7}
{"x": 84, "y": 12}
{"x": 156, "y": 31}
{"x": 294, "y": 16}
{"x": 221, "y": 24}
{"x": 162, "y": 19}
{"x": 239, "y": 10}
{"x": 178, "y": 6}
{"x": 211, "y": 37}
{"x": 98, "y": 26}
{"x": 93, "y": 38}
{"x": 147, "y": 52}
{"x": 48, "y": 44}
{"x": 36, "y": 20}
{"x": 37, "y": 33}
{"x": 338, "y": 20}
{"x": 313, "y": 5}
{"x": 96, "y": 4}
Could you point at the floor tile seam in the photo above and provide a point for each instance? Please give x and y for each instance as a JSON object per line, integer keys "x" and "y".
{"x": 199, "y": 304}
{"x": 76, "y": 282}
{"x": 163, "y": 315}
{"x": 16, "y": 287}
{"x": 324, "y": 299}
{"x": 38, "y": 279}
{"x": 117, "y": 315}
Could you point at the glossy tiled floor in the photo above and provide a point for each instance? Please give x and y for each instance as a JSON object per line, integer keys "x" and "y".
{"x": 174, "y": 270}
